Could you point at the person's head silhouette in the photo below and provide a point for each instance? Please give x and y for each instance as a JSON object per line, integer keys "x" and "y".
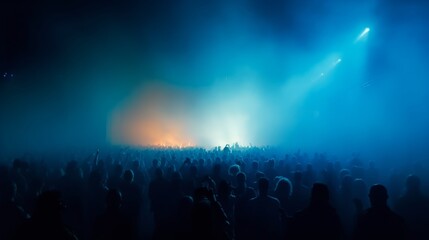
{"x": 283, "y": 186}
{"x": 129, "y": 176}
{"x": 241, "y": 179}
{"x": 319, "y": 194}
{"x": 378, "y": 196}
{"x": 413, "y": 184}
{"x": 263, "y": 185}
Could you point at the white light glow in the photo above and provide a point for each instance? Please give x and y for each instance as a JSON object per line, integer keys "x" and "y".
{"x": 338, "y": 61}
{"x": 363, "y": 35}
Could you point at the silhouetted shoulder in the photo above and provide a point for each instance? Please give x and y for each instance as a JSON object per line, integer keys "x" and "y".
{"x": 379, "y": 222}
{"x": 319, "y": 220}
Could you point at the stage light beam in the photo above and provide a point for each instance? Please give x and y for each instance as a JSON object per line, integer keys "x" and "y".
{"x": 363, "y": 35}
{"x": 337, "y": 62}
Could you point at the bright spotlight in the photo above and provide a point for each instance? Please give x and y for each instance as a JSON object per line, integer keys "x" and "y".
{"x": 337, "y": 61}
{"x": 363, "y": 34}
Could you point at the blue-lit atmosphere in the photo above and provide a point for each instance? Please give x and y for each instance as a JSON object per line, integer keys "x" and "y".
{"x": 317, "y": 75}
{"x": 214, "y": 119}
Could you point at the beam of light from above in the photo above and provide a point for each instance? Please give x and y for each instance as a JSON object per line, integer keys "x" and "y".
{"x": 363, "y": 35}
{"x": 337, "y": 62}
{"x": 298, "y": 89}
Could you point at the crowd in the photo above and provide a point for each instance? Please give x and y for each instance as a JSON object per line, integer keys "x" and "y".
{"x": 193, "y": 193}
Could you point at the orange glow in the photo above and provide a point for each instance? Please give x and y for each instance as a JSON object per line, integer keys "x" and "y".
{"x": 153, "y": 117}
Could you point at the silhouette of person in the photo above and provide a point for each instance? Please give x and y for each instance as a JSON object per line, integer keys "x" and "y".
{"x": 283, "y": 192}
{"x": 317, "y": 221}
{"x": 112, "y": 224}
{"x": 159, "y": 203}
{"x": 379, "y": 222}
{"x": 345, "y": 204}
{"x": 254, "y": 169}
{"x": 46, "y": 222}
{"x": 414, "y": 207}
{"x": 72, "y": 189}
{"x": 360, "y": 191}
{"x": 115, "y": 177}
{"x": 227, "y": 201}
{"x": 233, "y": 170}
{"x": 264, "y": 214}
{"x": 182, "y": 224}
{"x": 300, "y": 194}
{"x": 202, "y": 169}
{"x": 216, "y": 173}
{"x": 139, "y": 175}
{"x": 243, "y": 194}
{"x": 190, "y": 179}
{"x": 95, "y": 197}
{"x": 152, "y": 170}
{"x": 270, "y": 171}
{"x": 132, "y": 198}
{"x": 242, "y": 191}
{"x": 209, "y": 221}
